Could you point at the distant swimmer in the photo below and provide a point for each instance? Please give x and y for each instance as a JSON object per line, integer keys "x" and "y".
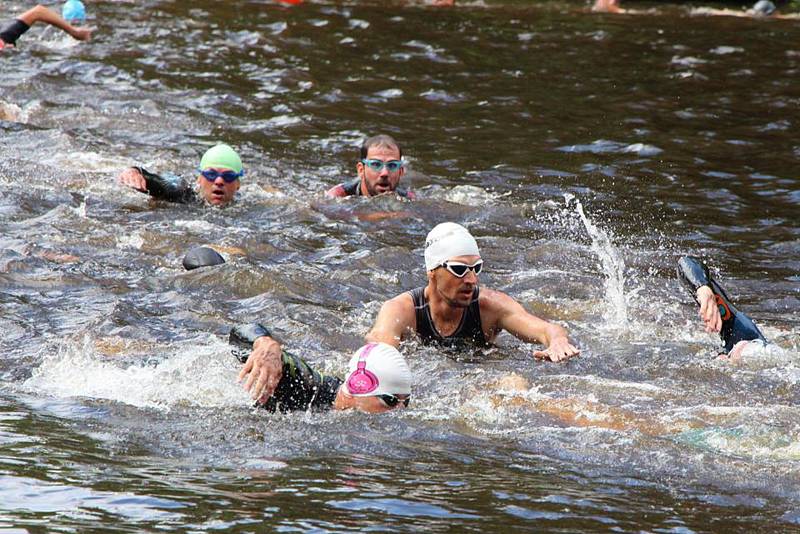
{"x": 736, "y": 329}
{"x": 13, "y": 31}
{"x": 761, "y": 9}
{"x": 378, "y": 380}
{"x": 217, "y": 182}
{"x": 202, "y": 257}
{"x": 452, "y": 310}
{"x": 379, "y": 171}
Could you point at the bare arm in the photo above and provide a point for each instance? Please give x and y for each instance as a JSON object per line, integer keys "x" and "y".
{"x": 394, "y": 321}
{"x": 512, "y": 317}
{"x": 42, "y": 14}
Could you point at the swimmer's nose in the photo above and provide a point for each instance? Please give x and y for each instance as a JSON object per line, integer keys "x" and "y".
{"x": 471, "y": 277}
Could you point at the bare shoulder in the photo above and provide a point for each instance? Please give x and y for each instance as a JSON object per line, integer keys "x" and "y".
{"x": 494, "y": 300}
{"x": 401, "y": 304}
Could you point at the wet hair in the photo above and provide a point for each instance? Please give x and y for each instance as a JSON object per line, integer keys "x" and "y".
{"x": 380, "y": 140}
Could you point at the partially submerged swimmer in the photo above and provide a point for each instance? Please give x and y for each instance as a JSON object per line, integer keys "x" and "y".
{"x": 736, "y": 329}
{"x": 217, "y": 181}
{"x": 379, "y": 169}
{"x": 202, "y": 257}
{"x": 378, "y": 380}
{"x": 15, "y": 29}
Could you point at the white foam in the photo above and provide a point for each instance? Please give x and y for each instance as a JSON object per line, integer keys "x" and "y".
{"x": 199, "y": 375}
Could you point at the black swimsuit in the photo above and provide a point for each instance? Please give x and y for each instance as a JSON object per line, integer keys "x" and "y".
{"x": 469, "y": 330}
{"x": 13, "y": 31}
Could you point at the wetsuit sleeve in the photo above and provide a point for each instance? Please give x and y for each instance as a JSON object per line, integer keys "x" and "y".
{"x": 168, "y": 187}
{"x": 243, "y": 336}
{"x": 13, "y": 31}
{"x": 693, "y": 273}
{"x": 736, "y": 326}
{"x": 302, "y": 388}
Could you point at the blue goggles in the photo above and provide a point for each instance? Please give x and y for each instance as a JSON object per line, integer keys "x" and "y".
{"x": 229, "y": 176}
{"x": 378, "y": 165}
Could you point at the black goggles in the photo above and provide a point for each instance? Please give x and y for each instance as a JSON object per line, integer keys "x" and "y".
{"x": 391, "y": 401}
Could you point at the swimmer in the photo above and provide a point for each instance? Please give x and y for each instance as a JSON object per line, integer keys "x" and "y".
{"x": 202, "y": 257}
{"x": 379, "y": 171}
{"x": 451, "y": 309}
{"x": 13, "y": 31}
{"x": 378, "y": 379}
{"x": 217, "y": 182}
{"x": 736, "y": 329}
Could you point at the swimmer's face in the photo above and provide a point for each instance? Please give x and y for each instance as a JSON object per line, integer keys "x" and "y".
{"x": 219, "y": 192}
{"x": 376, "y": 405}
{"x": 383, "y": 181}
{"x": 457, "y": 292}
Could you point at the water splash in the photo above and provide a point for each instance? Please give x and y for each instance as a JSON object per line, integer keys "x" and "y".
{"x": 616, "y": 309}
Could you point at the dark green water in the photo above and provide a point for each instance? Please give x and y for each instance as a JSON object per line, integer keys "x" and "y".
{"x": 119, "y": 410}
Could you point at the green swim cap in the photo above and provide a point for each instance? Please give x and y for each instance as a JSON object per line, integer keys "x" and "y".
{"x": 221, "y": 157}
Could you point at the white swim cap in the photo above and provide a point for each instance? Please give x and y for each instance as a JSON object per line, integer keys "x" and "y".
{"x": 378, "y": 369}
{"x": 448, "y": 240}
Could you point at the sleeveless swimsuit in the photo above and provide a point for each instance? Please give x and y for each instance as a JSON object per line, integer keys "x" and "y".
{"x": 469, "y": 330}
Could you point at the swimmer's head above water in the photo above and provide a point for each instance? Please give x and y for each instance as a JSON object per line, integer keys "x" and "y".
{"x": 202, "y": 257}
{"x": 219, "y": 175}
{"x": 380, "y": 166}
{"x": 453, "y": 262}
{"x": 763, "y": 8}
{"x": 74, "y": 11}
{"x": 378, "y": 380}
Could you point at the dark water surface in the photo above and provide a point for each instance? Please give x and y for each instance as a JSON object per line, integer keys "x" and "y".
{"x": 585, "y": 152}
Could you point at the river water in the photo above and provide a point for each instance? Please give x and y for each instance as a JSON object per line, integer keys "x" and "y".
{"x": 587, "y": 153}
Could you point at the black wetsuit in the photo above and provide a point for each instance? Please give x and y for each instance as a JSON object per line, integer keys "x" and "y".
{"x": 736, "y": 326}
{"x": 13, "y": 31}
{"x": 168, "y": 187}
{"x": 469, "y": 330}
{"x": 300, "y": 387}
{"x": 353, "y": 188}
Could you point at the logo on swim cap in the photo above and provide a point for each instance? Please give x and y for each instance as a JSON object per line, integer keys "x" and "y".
{"x": 378, "y": 369}
{"x": 221, "y": 157}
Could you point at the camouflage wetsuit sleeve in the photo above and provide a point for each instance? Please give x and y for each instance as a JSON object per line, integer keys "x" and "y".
{"x": 168, "y": 187}
{"x": 300, "y": 387}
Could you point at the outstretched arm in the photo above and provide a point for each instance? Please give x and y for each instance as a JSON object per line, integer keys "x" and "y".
{"x": 263, "y": 368}
{"x": 512, "y": 317}
{"x": 42, "y": 14}
{"x": 394, "y": 321}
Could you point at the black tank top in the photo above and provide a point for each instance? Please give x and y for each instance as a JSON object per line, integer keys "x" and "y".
{"x": 469, "y": 329}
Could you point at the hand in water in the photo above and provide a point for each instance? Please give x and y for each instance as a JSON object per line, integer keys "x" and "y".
{"x": 82, "y": 34}
{"x": 263, "y": 369}
{"x": 133, "y": 178}
{"x": 560, "y": 350}
{"x": 709, "y": 311}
